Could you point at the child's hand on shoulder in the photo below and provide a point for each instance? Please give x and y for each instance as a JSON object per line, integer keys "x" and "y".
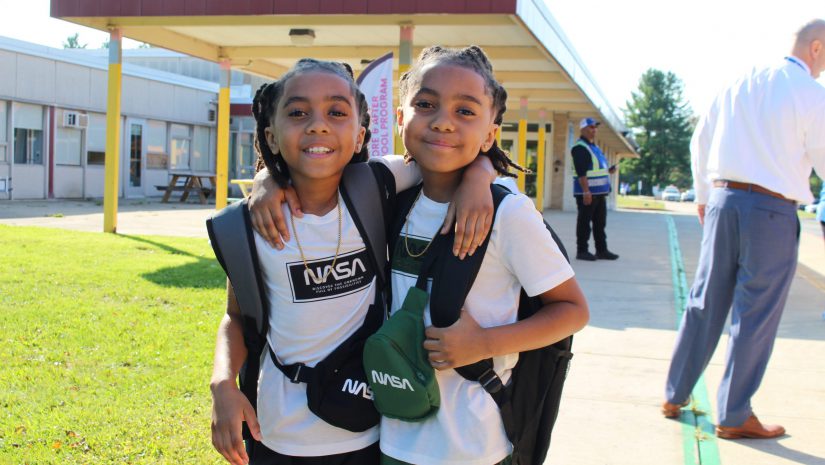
{"x": 471, "y": 210}
{"x": 265, "y": 209}
{"x": 460, "y": 344}
{"x": 230, "y": 408}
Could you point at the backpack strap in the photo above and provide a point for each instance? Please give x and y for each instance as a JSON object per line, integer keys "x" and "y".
{"x": 448, "y": 296}
{"x": 230, "y": 234}
{"x": 231, "y": 237}
{"x": 301, "y": 373}
{"x": 403, "y": 205}
{"x": 369, "y": 194}
{"x": 368, "y": 190}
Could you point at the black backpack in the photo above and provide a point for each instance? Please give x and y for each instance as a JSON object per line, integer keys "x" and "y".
{"x": 529, "y": 404}
{"x": 368, "y": 190}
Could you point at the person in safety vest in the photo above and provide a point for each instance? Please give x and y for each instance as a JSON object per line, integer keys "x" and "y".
{"x": 591, "y": 187}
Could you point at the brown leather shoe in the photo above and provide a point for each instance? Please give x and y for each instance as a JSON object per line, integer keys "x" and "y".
{"x": 751, "y": 428}
{"x": 673, "y": 410}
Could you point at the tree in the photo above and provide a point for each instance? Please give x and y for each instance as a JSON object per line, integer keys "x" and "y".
{"x": 73, "y": 42}
{"x": 662, "y": 124}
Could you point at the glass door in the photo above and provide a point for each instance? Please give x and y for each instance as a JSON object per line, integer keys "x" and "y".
{"x": 133, "y": 163}
{"x": 508, "y": 143}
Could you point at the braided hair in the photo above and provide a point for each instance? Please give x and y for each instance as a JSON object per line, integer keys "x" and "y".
{"x": 265, "y": 104}
{"x": 473, "y": 58}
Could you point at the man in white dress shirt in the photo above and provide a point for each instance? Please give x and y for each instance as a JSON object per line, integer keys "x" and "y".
{"x": 752, "y": 155}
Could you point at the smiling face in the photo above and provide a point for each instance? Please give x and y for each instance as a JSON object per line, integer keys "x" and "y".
{"x": 447, "y": 119}
{"x": 316, "y": 126}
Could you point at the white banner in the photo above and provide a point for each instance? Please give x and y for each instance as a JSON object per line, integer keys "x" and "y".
{"x": 376, "y": 84}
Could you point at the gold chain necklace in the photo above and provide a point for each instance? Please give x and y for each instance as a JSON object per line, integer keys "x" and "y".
{"x": 407, "y": 230}
{"x": 301, "y": 250}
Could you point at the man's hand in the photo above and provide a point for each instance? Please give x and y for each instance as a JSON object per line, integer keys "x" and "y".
{"x": 587, "y": 198}
{"x": 265, "y": 209}
{"x": 230, "y": 408}
{"x": 700, "y": 209}
{"x": 458, "y": 345}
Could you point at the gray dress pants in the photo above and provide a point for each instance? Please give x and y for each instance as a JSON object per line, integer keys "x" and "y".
{"x": 747, "y": 261}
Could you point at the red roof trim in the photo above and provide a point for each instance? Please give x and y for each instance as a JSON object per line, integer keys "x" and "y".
{"x": 240, "y": 109}
{"x": 108, "y": 8}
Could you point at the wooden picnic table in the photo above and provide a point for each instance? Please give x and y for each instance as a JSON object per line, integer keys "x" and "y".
{"x": 188, "y": 181}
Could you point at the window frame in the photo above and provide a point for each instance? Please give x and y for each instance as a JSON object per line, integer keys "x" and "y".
{"x": 28, "y": 147}
{"x": 172, "y": 138}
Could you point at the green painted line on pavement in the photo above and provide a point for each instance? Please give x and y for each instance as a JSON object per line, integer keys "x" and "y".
{"x": 698, "y": 435}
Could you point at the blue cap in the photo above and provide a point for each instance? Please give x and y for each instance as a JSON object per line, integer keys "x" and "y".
{"x": 588, "y": 122}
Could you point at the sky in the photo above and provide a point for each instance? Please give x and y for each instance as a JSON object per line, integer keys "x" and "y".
{"x": 706, "y": 43}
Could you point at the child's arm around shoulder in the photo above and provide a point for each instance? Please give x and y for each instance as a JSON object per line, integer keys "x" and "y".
{"x": 471, "y": 210}
{"x": 230, "y": 407}
{"x": 265, "y": 212}
{"x": 531, "y": 255}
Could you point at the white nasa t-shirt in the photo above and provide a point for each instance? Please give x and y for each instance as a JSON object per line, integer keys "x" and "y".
{"x": 309, "y": 316}
{"x": 467, "y": 429}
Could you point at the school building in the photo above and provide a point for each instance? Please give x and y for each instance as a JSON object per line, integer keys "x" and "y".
{"x": 53, "y": 121}
{"x": 549, "y": 86}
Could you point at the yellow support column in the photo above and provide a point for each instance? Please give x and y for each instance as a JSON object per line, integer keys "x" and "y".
{"x": 522, "y": 142}
{"x": 222, "y": 155}
{"x": 112, "y": 160}
{"x": 405, "y": 59}
{"x": 498, "y": 136}
{"x": 540, "y": 161}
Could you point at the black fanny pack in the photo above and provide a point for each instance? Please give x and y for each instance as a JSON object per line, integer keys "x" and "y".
{"x": 337, "y": 388}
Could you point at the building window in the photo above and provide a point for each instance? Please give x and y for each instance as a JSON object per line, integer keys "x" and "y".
{"x": 28, "y": 134}
{"x": 4, "y": 140}
{"x": 200, "y": 150}
{"x": 180, "y": 145}
{"x": 96, "y": 139}
{"x": 248, "y": 158}
{"x": 28, "y": 146}
{"x": 68, "y": 143}
{"x": 156, "y": 155}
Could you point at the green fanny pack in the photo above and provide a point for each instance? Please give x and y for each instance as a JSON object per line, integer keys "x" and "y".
{"x": 398, "y": 371}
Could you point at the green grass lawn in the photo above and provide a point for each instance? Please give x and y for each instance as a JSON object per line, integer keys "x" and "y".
{"x": 106, "y": 344}
{"x": 803, "y": 215}
{"x": 639, "y": 202}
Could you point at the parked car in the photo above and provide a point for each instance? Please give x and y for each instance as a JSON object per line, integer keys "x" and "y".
{"x": 671, "y": 193}
{"x": 689, "y": 195}
{"x": 809, "y": 208}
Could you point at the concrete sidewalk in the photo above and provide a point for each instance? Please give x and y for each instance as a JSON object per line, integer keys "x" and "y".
{"x": 610, "y": 413}
{"x": 135, "y": 217}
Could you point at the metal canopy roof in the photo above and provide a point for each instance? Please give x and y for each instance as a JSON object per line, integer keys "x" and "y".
{"x": 530, "y": 54}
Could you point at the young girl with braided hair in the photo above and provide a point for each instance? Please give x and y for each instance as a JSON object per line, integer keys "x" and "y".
{"x": 311, "y": 123}
{"x": 450, "y": 105}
